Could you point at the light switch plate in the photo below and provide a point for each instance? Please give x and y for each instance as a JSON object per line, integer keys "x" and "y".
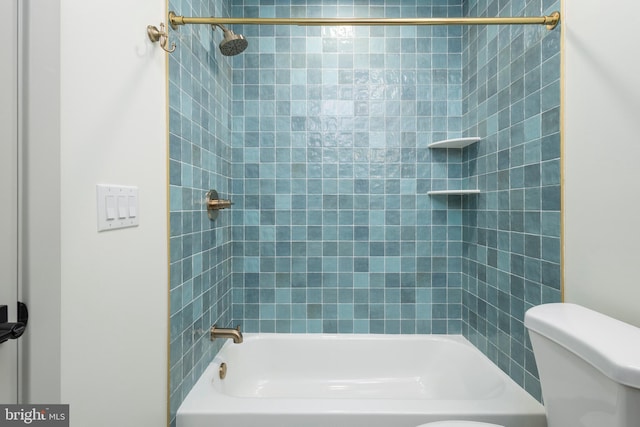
{"x": 117, "y": 207}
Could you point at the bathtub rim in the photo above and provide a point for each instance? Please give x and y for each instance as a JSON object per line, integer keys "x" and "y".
{"x": 199, "y": 403}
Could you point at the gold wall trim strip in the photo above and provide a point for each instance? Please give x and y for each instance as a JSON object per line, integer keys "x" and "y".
{"x": 562, "y": 155}
{"x": 168, "y": 189}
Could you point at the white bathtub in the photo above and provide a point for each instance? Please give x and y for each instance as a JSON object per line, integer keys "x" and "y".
{"x": 312, "y": 380}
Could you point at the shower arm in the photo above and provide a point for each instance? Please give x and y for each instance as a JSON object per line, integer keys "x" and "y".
{"x": 214, "y": 25}
{"x": 155, "y": 35}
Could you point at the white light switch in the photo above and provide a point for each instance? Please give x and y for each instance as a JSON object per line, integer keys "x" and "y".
{"x": 111, "y": 207}
{"x": 123, "y": 207}
{"x": 133, "y": 206}
{"x": 117, "y": 207}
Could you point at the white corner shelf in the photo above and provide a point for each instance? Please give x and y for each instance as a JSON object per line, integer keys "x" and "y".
{"x": 454, "y": 143}
{"x": 452, "y": 192}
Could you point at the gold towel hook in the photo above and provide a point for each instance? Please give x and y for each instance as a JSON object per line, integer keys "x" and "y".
{"x": 160, "y": 35}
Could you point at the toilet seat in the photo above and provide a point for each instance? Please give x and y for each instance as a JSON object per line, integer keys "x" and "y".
{"x": 458, "y": 424}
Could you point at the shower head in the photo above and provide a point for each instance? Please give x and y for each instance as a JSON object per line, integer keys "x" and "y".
{"x": 233, "y": 43}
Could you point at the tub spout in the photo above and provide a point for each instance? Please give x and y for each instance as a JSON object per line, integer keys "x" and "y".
{"x": 234, "y": 334}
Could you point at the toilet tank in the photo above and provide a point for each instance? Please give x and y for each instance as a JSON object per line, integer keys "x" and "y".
{"x": 589, "y": 366}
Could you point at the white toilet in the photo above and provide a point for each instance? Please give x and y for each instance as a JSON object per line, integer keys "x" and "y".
{"x": 589, "y": 366}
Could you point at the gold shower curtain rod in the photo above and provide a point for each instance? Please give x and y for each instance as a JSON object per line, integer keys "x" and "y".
{"x": 549, "y": 20}
{"x": 161, "y": 35}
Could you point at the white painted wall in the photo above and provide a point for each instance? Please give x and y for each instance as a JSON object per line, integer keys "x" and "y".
{"x": 108, "y": 303}
{"x": 114, "y": 284}
{"x": 602, "y": 156}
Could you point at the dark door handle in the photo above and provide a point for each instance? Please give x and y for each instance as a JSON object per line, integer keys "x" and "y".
{"x": 13, "y": 330}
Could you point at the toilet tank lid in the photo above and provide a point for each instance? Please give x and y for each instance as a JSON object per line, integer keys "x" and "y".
{"x": 611, "y": 346}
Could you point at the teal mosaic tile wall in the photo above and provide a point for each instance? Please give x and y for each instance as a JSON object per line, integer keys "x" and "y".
{"x": 333, "y": 230}
{"x": 511, "y": 251}
{"x": 200, "y": 93}
{"x": 319, "y": 136}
